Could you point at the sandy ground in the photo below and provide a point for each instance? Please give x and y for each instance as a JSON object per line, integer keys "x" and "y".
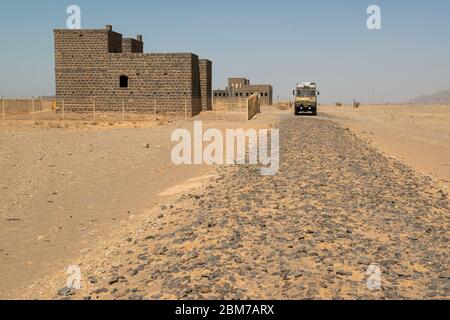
{"x": 65, "y": 186}
{"x": 337, "y": 209}
{"x": 417, "y": 135}
{"x": 99, "y": 197}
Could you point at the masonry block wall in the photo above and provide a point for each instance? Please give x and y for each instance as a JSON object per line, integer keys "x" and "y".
{"x": 100, "y": 68}
{"x": 130, "y": 45}
{"x": 238, "y": 82}
{"x": 240, "y": 88}
{"x": 265, "y": 90}
{"x": 206, "y": 84}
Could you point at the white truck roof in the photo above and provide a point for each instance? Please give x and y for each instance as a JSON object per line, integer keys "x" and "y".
{"x": 311, "y": 85}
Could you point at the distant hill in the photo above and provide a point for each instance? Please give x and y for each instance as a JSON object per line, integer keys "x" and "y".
{"x": 442, "y": 97}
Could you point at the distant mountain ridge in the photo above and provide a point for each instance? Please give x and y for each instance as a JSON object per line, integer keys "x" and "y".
{"x": 442, "y": 97}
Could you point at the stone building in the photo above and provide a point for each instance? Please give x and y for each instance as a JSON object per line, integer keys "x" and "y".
{"x": 241, "y": 88}
{"x": 98, "y": 67}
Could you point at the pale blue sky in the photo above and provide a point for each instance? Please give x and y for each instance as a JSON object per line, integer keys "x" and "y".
{"x": 278, "y": 42}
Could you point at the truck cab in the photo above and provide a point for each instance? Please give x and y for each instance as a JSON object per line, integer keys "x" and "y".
{"x": 306, "y": 98}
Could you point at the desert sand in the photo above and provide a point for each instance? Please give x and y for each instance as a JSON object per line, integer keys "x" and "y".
{"x": 66, "y": 185}
{"x": 109, "y": 200}
{"x": 417, "y": 135}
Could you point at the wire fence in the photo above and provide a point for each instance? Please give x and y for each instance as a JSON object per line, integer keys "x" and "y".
{"x": 246, "y": 107}
{"x": 116, "y": 109}
{"x": 230, "y": 104}
{"x": 25, "y": 106}
{"x": 96, "y": 109}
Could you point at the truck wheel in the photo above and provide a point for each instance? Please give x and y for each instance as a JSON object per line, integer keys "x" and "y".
{"x": 314, "y": 111}
{"x": 296, "y": 112}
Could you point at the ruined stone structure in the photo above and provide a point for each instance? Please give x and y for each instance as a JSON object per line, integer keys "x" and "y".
{"x": 240, "y": 88}
{"x": 206, "y": 84}
{"x": 101, "y": 69}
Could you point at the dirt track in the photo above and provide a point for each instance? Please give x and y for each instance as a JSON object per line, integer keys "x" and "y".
{"x": 336, "y": 207}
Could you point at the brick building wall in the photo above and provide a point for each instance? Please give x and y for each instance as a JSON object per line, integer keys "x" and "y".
{"x": 238, "y": 82}
{"x": 172, "y": 80}
{"x": 100, "y": 67}
{"x": 130, "y": 45}
{"x": 240, "y": 88}
{"x": 206, "y": 84}
{"x": 265, "y": 90}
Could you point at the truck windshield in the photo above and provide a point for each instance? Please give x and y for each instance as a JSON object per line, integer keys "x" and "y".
{"x": 306, "y": 93}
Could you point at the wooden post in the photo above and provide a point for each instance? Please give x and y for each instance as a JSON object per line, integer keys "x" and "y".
{"x": 185, "y": 108}
{"x": 32, "y": 108}
{"x": 123, "y": 110}
{"x": 248, "y": 114}
{"x": 42, "y": 108}
{"x": 64, "y": 111}
{"x": 156, "y": 113}
{"x": 3, "y": 107}
{"x": 95, "y": 116}
{"x": 259, "y": 103}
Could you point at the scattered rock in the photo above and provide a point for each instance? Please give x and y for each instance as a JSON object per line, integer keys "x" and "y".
{"x": 114, "y": 280}
{"x": 66, "y": 292}
{"x": 336, "y": 204}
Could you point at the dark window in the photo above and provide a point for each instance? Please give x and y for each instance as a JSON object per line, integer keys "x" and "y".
{"x": 123, "y": 81}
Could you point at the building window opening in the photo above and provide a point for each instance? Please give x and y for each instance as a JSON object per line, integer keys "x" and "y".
{"x": 123, "y": 81}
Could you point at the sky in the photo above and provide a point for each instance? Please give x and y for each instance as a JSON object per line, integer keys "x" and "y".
{"x": 277, "y": 42}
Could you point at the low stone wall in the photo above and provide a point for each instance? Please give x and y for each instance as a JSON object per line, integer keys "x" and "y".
{"x": 253, "y": 105}
{"x": 230, "y": 104}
